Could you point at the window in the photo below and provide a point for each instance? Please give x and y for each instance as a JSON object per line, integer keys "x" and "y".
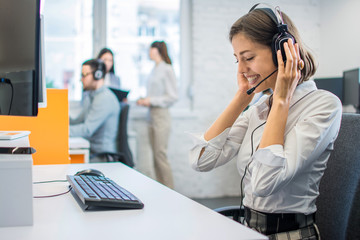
{"x": 68, "y": 42}
{"x": 131, "y": 26}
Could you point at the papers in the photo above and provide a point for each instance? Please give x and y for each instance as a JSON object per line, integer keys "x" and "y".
{"x": 9, "y": 135}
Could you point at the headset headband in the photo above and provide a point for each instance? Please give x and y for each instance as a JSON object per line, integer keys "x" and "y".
{"x": 274, "y": 14}
{"x": 282, "y": 34}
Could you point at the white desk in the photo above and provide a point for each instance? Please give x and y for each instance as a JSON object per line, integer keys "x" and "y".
{"x": 167, "y": 214}
{"x": 79, "y": 146}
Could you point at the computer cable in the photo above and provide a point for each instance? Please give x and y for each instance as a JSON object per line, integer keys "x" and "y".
{"x": 7, "y": 81}
{"x": 252, "y": 147}
{"x": 54, "y": 195}
{"x": 246, "y": 168}
{"x": 50, "y": 181}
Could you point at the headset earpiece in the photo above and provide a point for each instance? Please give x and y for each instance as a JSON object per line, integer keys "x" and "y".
{"x": 100, "y": 71}
{"x": 278, "y": 44}
{"x": 282, "y": 34}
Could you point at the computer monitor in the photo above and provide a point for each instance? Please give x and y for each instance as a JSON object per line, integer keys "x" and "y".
{"x": 42, "y": 100}
{"x": 352, "y": 88}
{"x": 19, "y": 57}
{"x": 332, "y": 84}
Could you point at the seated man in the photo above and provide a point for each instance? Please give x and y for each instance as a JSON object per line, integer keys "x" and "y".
{"x": 99, "y": 117}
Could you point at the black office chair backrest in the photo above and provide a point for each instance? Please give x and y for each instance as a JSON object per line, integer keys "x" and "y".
{"x": 353, "y": 231}
{"x": 339, "y": 183}
{"x": 120, "y": 94}
{"x": 122, "y": 136}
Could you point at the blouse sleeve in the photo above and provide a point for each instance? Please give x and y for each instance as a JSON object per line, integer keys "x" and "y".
{"x": 275, "y": 166}
{"x": 220, "y": 149}
{"x": 117, "y": 81}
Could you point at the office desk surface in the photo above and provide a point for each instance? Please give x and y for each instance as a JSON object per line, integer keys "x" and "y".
{"x": 166, "y": 215}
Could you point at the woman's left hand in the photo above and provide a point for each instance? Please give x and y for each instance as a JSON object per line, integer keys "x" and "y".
{"x": 143, "y": 102}
{"x": 288, "y": 74}
{"x": 287, "y": 79}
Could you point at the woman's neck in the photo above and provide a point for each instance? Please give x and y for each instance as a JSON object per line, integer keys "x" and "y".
{"x": 158, "y": 60}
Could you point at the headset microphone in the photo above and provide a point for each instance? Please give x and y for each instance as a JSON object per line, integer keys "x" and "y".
{"x": 251, "y": 90}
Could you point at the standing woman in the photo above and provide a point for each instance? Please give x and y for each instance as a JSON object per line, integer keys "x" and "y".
{"x": 111, "y": 80}
{"x": 161, "y": 94}
{"x": 283, "y": 141}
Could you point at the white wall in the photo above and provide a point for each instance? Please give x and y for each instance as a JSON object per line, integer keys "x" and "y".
{"x": 214, "y": 78}
{"x": 339, "y": 37}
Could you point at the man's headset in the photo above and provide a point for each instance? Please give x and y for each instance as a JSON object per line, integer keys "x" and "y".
{"x": 100, "y": 70}
{"x": 282, "y": 34}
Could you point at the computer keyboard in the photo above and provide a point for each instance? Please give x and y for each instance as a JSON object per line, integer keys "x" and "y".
{"x": 94, "y": 191}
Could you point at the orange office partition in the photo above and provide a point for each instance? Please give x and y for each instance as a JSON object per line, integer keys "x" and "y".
{"x": 49, "y": 130}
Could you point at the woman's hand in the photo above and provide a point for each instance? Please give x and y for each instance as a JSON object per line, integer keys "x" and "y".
{"x": 288, "y": 74}
{"x": 286, "y": 82}
{"x": 244, "y": 86}
{"x": 143, "y": 102}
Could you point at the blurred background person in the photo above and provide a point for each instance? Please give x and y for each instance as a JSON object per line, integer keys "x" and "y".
{"x": 161, "y": 94}
{"x": 98, "y": 119}
{"x": 111, "y": 80}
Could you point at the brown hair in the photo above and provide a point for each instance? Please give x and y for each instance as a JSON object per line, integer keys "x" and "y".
{"x": 161, "y": 46}
{"x": 102, "y": 52}
{"x": 259, "y": 27}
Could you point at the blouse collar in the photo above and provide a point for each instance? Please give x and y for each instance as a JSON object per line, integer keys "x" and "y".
{"x": 300, "y": 91}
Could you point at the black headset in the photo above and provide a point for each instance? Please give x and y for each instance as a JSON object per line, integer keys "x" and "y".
{"x": 282, "y": 34}
{"x": 100, "y": 70}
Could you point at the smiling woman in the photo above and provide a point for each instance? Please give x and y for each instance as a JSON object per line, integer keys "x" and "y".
{"x": 254, "y": 56}
{"x": 281, "y": 143}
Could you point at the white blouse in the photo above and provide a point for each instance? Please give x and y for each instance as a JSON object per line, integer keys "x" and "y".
{"x": 161, "y": 86}
{"x": 279, "y": 179}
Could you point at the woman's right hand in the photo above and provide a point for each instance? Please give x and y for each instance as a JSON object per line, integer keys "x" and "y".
{"x": 145, "y": 102}
{"x": 243, "y": 87}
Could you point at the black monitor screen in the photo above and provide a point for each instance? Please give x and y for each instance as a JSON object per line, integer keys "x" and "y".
{"x": 334, "y": 85}
{"x": 352, "y": 87}
{"x": 19, "y": 57}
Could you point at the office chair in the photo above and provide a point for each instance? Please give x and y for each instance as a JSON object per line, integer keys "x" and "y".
{"x": 338, "y": 205}
{"x": 120, "y": 94}
{"x": 339, "y": 184}
{"x": 123, "y": 153}
{"x": 353, "y": 231}
{"x": 122, "y": 136}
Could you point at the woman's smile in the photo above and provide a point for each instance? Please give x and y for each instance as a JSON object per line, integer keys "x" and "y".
{"x": 252, "y": 78}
